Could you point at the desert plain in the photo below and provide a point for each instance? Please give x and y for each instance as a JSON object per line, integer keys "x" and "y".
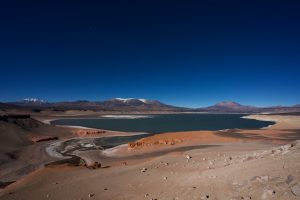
{"x": 227, "y": 164}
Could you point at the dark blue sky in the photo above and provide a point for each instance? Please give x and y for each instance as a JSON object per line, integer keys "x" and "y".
{"x": 187, "y": 53}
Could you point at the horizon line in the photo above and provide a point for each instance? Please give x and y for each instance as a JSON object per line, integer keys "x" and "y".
{"x": 184, "y": 106}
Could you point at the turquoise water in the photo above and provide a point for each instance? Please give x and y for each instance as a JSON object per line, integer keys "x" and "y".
{"x": 168, "y": 123}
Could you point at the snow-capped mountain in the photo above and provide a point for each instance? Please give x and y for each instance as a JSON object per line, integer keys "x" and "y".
{"x": 140, "y": 105}
{"x": 116, "y": 104}
{"x": 33, "y": 100}
{"x": 126, "y": 100}
{"x": 132, "y": 99}
{"x": 134, "y": 103}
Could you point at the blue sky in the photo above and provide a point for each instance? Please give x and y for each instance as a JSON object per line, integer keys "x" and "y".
{"x": 186, "y": 53}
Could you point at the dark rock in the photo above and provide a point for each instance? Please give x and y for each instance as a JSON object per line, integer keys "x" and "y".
{"x": 91, "y": 195}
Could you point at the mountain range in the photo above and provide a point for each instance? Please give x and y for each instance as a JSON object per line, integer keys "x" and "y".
{"x": 140, "y": 105}
{"x": 116, "y": 104}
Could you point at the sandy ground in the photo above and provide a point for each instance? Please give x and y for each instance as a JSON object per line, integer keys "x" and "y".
{"x": 282, "y": 121}
{"x": 233, "y": 164}
{"x": 24, "y": 145}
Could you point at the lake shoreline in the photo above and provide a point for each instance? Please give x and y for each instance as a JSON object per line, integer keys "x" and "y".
{"x": 157, "y": 124}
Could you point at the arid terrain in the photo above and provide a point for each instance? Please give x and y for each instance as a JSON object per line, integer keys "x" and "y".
{"x": 150, "y": 100}
{"x": 228, "y": 164}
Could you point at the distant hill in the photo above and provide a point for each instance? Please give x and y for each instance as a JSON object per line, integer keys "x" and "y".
{"x": 139, "y": 105}
{"x": 117, "y": 104}
{"x": 233, "y": 107}
{"x": 230, "y": 106}
{"x": 11, "y": 106}
{"x": 280, "y": 109}
{"x": 75, "y": 105}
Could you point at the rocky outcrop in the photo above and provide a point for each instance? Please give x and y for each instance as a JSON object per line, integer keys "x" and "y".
{"x": 41, "y": 138}
{"x": 141, "y": 143}
{"x": 89, "y": 132}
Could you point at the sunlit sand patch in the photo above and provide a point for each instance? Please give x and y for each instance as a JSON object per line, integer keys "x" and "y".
{"x": 126, "y": 116}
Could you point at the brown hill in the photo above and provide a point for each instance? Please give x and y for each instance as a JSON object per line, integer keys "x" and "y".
{"x": 117, "y": 104}
{"x": 136, "y": 105}
{"x": 230, "y": 106}
{"x": 18, "y": 131}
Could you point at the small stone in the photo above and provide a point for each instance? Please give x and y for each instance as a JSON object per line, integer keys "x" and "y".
{"x": 48, "y": 195}
{"x": 205, "y": 197}
{"x": 203, "y": 159}
{"x": 188, "y": 157}
{"x": 165, "y": 178}
{"x": 143, "y": 169}
{"x": 296, "y": 190}
{"x": 91, "y": 195}
{"x": 96, "y": 165}
{"x": 268, "y": 193}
